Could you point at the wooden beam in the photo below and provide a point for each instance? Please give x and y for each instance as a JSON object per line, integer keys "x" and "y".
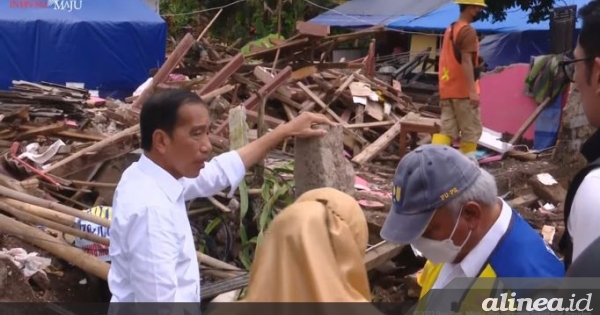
{"x": 218, "y": 79}
{"x": 370, "y": 124}
{"x": 117, "y": 148}
{"x": 165, "y": 70}
{"x": 379, "y": 145}
{"x": 264, "y": 91}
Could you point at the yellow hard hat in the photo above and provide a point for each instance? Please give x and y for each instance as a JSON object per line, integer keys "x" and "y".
{"x": 480, "y": 3}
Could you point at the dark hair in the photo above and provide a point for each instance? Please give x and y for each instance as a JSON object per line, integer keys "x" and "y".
{"x": 161, "y": 112}
{"x": 589, "y": 38}
{"x": 463, "y": 7}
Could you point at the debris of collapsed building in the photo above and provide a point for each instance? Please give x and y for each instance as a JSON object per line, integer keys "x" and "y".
{"x": 59, "y": 142}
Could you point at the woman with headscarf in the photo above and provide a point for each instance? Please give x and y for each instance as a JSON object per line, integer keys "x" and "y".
{"x": 313, "y": 251}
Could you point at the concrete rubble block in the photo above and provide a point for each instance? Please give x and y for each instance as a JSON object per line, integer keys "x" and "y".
{"x": 320, "y": 162}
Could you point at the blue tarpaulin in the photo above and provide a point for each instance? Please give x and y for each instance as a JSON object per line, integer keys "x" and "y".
{"x": 506, "y": 42}
{"x": 108, "y": 45}
{"x": 367, "y": 13}
{"x": 438, "y": 20}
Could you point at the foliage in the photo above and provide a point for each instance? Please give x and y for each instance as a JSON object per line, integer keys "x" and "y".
{"x": 540, "y": 9}
{"x": 276, "y": 193}
{"x": 178, "y": 21}
{"x": 237, "y": 20}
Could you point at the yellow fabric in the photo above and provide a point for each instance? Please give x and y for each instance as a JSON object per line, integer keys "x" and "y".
{"x": 468, "y": 147}
{"x": 472, "y": 2}
{"x": 439, "y": 138}
{"x": 479, "y": 290}
{"x": 313, "y": 253}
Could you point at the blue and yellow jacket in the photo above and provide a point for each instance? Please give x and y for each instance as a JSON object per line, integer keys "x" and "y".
{"x": 521, "y": 253}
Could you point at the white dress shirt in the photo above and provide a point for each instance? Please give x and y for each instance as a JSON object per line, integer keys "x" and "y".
{"x": 584, "y": 216}
{"x": 470, "y": 266}
{"x": 151, "y": 245}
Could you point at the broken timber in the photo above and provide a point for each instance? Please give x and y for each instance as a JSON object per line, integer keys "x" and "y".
{"x": 379, "y": 145}
{"x": 263, "y": 92}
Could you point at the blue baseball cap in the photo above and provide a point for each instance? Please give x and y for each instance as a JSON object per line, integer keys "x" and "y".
{"x": 425, "y": 179}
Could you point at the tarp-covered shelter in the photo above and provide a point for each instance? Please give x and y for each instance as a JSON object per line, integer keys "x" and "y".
{"x": 108, "y": 45}
{"x": 366, "y": 13}
{"x": 512, "y": 40}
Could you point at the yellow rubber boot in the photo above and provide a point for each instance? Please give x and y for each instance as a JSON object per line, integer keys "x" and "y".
{"x": 468, "y": 147}
{"x": 439, "y": 138}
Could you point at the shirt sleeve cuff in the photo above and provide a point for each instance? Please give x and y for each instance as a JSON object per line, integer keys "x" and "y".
{"x": 234, "y": 169}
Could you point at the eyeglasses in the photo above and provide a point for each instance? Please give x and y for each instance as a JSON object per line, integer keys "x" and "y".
{"x": 568, "y": 67}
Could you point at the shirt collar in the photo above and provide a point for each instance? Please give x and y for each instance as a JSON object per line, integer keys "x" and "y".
{"x": 591, "y": 147}
{"x": 169, "y": 184}
{"x": 474, "y": 261}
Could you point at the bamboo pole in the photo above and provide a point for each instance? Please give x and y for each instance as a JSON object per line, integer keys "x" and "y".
{"x": 64, "y": 219}
{"x": 33, "y": 219}
{"x": 37, "y": 237}
{"x": 7, "y": 192}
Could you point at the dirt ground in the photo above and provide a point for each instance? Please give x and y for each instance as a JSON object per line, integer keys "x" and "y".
{"x": 68, "y": 284}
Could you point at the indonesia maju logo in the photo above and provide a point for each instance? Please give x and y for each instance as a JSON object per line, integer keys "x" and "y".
{"x": 65, "y": 5}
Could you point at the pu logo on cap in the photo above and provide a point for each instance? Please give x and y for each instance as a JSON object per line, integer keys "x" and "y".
{"x": 397, "y": 191}
{"x": 449, "y": 193}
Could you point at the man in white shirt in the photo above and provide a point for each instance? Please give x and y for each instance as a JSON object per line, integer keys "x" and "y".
{"x": 152, "y": 250}
{"x": 581, "y": 207}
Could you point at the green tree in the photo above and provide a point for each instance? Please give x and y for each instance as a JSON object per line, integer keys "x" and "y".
{"x": 540, "y": 9}
{"x": 237, "y": 19}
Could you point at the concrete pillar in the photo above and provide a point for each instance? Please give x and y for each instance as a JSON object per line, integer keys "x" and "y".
{"x": 320, "y": 162}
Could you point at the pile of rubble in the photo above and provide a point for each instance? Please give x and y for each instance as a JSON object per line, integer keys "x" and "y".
{"x": 55, "y": 139}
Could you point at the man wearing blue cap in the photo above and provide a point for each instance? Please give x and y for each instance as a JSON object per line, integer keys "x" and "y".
{"x": 447, "y": 208}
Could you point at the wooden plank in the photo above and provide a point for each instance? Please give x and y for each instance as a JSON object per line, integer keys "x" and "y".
{"x": 529, "y": 121}
{"x": 312, "y": 29}
{"x": 165, "y": 70}
{"x": 381, "y": 253}
{"x": 264, "y": 91}
{"x": 272, "y": 121}
{"x": 117, "y": 148}
{"x": 319, "y": 102}
{"x": 63, "y": 165}
{"x": 379, "y": 145}
{"x": 304, "y": 73}
{"x": 218, "y": 79}
{"x": 370, "y": 124}
{"x": 48, "y": 129}
{"x": 217, "y": 92}
{"x": 536, "y": 113}
{"x": 266, "y": 77}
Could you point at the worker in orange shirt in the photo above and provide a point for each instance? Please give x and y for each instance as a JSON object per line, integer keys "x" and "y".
{"x": 459, "y": 69}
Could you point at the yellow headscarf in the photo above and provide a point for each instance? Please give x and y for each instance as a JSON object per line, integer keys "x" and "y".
{"x": 313, "y": 251}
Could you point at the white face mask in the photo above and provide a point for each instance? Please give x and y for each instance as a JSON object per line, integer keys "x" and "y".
{"x": 440, "y": 251}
